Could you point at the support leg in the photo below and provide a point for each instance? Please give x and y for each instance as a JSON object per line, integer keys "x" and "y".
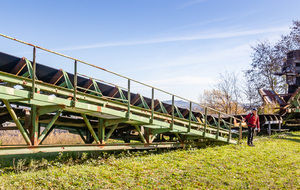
{"x": 148, "y": 135}
{"x": 101, "y": 131}
{"x": 81, "y": 135}
{"x": 34, "y": 127}
{"x": 90, "y": 128}
{"x": 47, "y": 134}
{"x": 110, "y": 132}
{"x": 140, "y": 134}
{"x": 49, "y": 126}
{"x": 16, "y": 120}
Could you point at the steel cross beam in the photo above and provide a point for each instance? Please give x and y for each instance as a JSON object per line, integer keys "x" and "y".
{"x": 49, "y": 126}
{"x": 17, "y": 122}
{"x": 88, "y": 124}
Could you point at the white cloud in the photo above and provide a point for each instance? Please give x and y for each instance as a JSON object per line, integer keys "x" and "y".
{"x": 201, "y": 36}
{"x": 182, "y": 80}
{"x": 200, "y": 59}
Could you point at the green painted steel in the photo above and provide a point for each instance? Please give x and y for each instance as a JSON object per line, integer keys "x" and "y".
{"x": 110, "y": 132}
{"x": 49, "y": 126}
{"x": 18, "y": 123}
{"x": 140, "y": 134}
{"x": 104, "y": 117}
{"x": 14, "y": 150}
{"x": 34, "y": 126}
{"x": 88, "y": 124}
{"x": 93, "y": 110}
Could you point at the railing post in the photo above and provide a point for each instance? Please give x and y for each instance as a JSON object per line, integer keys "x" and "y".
{"x": 241, "y": 132}
{"x": 229, "y": 134}
{"x": 128, "y": 99}
{"x": 172, "y": 112}
{"x": 190, "y": 118}
{"x": 75, "y": 83}
{"x": 218, "y": 129}
{"x": 205, "y": 121}
{"x": 34, "y": 71}
{"x": 101, "y": 131}
{"x": 152, "y": 106}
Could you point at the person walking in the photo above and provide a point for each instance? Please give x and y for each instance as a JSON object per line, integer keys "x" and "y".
{"x": 252, "y": 120}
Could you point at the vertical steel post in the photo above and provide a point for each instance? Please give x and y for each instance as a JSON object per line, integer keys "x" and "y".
{"x": 205, "y": 121}
{"x": 172, "y": 112}
{"x": 101, "y": 130}
{"x": 152, "y": 106}
{"x": 190, "y": 118}
{"x": 34, "y": 72}
{"x": 34, "y": 125}
{"x": 34, "y": 115}
{"x": 279, "y": 125}
{"x": 219, "y": 123}
{"x": 229, "y": 134}
{"x": 128, "y": 98}
{"x": 75, "y": 83}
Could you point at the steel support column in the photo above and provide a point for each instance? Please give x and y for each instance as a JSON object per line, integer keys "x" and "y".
{"x": 128, "y": 99}
{"x": 190, "y": 118}
{"x": 205, "y": 121}
{"x": 110, "y": 132}
{"x": 34, "y": 126}
{"x": 81, "y": 135}
{"x": 48, "y": 132}
{"x": 148, "y": 135}
{"x": 88, "y": 124}
{"x": 101, "y": 130}
{"x": 49, "y": 126}
{"x": 17, "y": 122}
{"x": 179, "y": 138}
{"x": 140, "y": 134}
{"x": 218, "y": 129}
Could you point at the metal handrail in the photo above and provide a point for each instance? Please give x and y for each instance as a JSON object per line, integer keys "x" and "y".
{"x": 114, "y": 73}
{"x": 78, "y": 60}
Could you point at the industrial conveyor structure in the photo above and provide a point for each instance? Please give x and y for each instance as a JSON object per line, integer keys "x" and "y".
{"x": 38, "y": 99}
{"x": 286, "y": 105}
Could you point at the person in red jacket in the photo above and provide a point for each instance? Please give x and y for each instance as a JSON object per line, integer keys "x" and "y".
{"x": 252, "y": 120}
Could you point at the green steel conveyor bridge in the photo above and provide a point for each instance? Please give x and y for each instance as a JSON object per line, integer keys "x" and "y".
{"x": 38, "y": 99}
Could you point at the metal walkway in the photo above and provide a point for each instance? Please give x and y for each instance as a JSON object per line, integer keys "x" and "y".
{"x": 36, "y": 96}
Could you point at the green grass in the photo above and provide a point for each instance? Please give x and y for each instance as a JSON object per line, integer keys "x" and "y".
{"x": 273, "y": 164}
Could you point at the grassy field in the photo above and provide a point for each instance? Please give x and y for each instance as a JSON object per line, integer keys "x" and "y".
{"x": 273, "y": 164}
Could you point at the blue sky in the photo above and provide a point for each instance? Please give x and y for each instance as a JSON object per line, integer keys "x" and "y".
{"x": 176, "y": 45}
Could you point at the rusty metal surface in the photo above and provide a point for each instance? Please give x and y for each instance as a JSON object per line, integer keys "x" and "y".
{"x": 8, "y": 150}
{"x": 40, "y": 81}
{"x": 271, "y": 96}
{"x": 49, "y": 75}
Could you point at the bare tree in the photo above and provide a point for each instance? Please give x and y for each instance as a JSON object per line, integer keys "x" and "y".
{"x": 225, "y": 96}
{"x": 267, "y": 60}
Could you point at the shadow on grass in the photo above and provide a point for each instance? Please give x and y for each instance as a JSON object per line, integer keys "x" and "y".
{"x": 285, "y": 136}
{"x": 291, "y": 134}
{"x": 289, "y": 139}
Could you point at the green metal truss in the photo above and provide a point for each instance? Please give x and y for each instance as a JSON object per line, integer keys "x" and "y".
{"x": 96, "y": 106}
